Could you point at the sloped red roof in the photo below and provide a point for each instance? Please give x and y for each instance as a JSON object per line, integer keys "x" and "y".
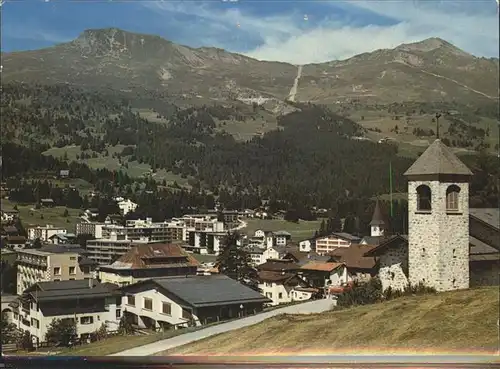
{"x": 137, "y": 256}
{"x": 353, "y": 256}
{"x": 274, "y": 276}
{"x": 321, "y": 266}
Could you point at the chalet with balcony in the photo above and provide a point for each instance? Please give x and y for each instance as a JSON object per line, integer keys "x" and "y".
{"x": 90, "y": 303}
{"x": 173, "y": 302}
{"x": 153, "y": 260}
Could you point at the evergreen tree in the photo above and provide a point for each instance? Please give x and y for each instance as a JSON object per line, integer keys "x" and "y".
{"x": 61, "y": 331}
{"x": 37, "y": 244}
{"x": 233, "y": 261}
{"x": 336, "y": 224}
{"x": 322, "y": 228}
{"x": 349, "y": 225}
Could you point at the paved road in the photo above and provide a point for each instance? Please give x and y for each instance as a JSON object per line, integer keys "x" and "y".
{"x": 310, "y": 307}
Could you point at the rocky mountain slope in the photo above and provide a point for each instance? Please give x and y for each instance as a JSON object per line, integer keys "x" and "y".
{"x": 431, "y": 70}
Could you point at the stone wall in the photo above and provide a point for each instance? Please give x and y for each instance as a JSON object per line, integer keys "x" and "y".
{"x": 393, "y": 270}
{"x": 438, "y": 241}
{"x": 484, "y": 273}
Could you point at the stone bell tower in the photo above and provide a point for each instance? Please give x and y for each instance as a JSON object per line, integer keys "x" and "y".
{"x": 438, "y": 219}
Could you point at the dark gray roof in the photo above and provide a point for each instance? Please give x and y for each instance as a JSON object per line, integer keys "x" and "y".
{"x": 373, "y": 240}
{"x": 346, "y": 236}
{"x": 487, "y": 215}
{"x": 282, "y": 233}
{"x": 480, "y": 251}
{"x": 377, "y": 218}
{"x": 61, "y": 249}
{"x": 86, "y": 261}
{"x": 210, "y": 290}
{"x": 254, "y": 250}
{"x": 67, "y": 290}
{"x": 438, "y": 159}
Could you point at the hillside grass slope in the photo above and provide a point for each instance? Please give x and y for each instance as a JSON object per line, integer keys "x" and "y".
{"x": 460, "y": 321}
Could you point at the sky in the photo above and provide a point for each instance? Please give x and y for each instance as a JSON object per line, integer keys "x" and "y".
{"x": 297, "y": 32}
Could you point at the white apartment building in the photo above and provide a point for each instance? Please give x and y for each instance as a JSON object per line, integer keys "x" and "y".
{"x": 44, "y": 232}
{"x": 327, "y": 244}
{"x": 90, "y": 228}
{"x": 88, "y": 302}
{"x": 104, "y": 250}
{"x": 205, "y": 242}
{"x": 168, "y": 231}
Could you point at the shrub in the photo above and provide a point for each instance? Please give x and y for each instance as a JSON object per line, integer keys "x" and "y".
{"x": 417, "y": 289}
{"x": 125, "y": 326}
{"x": 25, "y": 341}
{"x": 361, "y": 293}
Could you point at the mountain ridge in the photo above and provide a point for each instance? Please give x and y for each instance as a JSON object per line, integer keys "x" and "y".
{"x": 427, "y": 70}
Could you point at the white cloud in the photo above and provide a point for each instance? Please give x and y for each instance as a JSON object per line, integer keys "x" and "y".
{"x": 472, "y": 26}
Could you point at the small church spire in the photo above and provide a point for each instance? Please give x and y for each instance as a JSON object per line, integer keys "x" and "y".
{"x": 377, "y": 224}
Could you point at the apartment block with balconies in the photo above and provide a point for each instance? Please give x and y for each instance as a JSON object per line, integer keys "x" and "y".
{"x": 52, "y": 263}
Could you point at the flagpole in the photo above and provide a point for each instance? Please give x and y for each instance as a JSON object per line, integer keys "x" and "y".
{"x": 390, "y": 184}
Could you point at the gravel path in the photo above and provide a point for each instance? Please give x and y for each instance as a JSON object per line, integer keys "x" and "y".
{"x": 311, "y": 307}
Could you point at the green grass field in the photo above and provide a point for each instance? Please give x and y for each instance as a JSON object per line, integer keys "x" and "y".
{"x": 135, "y": 169}
{"x": 32, "y": 217}
{"x": 449, "y": 322}
{"x": 298, "y": 231}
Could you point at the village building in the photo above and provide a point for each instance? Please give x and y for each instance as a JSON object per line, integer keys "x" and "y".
{"x": 9, "y": 215}
{"x": 360, "y": 268}
{"x": 52, "y": 263}
{"x": 280, "y": 281}
{"x": 104, "y": 250}
{"x": 48, "y": 203}
{"x": 173, "y": 302}
{"x": 326, "y": 244}
{"x": 44, "y": 233}
{"x": 62, "y": 238}
{"x": 321, "y": 274}
{"x": 87, "y": 302}
{"x": 449, "y": 246}
{"x": 126, "y": 206}
{"x": 146, "y": 261}
{"x": 93, "y": 229}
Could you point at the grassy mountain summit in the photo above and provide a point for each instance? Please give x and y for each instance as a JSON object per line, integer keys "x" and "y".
{"x": 430, "y": 70}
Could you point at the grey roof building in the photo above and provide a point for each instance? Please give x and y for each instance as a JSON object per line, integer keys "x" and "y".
{"x": 438, "y": 159}
{"x": 189, "y": 300}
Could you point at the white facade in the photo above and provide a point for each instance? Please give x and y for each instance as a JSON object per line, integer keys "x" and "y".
{"x": 270, "y": 253}
{"x": 300, "y": 294}
{"x": 126, "y": 206}
{"x": 276, "y": 292}
{"x": 8, "y": 216}
{"x": 280, "y": 240}
{"x": 44, "y": 233}
{"x": 257, "y": 258}
{"x": 327, "y": 244}
{"x": 91, "y": 228}
{"x": 306, "y": 245}
{"x": 87, "y": 323}
{"x": 376, "y": 231}
{"x": 163, "y": 309}
{"x": 438, "y": 251}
